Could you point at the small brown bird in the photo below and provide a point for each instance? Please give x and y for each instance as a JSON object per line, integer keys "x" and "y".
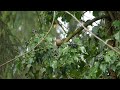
{"x": 58, "y": 42}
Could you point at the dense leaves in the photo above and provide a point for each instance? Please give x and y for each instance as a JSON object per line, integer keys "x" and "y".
{"x": 83, "y": 57}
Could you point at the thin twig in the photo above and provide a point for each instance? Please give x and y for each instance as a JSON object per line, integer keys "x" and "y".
{"x": 14, "y": 59}
{"x": 87, "y": 23}
{"x": 93, "y": 33}
{"x": 111, "y": 15}
{"x": 61, "y": 26}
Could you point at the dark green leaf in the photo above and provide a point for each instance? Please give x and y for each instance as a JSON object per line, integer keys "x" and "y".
{"x": 96, "y": 13}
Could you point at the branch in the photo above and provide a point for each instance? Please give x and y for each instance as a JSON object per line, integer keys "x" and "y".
{"x": 111, "y": 15}
{"x": 61, "y": 26}
{"x": 86, "y": 24}
{"x": 34, "y": 47}
{"x": 84, "y": 27}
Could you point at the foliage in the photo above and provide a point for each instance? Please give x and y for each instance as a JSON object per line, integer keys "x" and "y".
{"x": 85, "y": 57}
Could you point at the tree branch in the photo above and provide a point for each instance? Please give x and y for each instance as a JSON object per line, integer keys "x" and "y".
{"x": 86, "y": 24}
{"x": 14, "y": 59}
{"x": 111, "y": 15}
{"x": 94, "y": 34}
{"x": 61, "y": 26}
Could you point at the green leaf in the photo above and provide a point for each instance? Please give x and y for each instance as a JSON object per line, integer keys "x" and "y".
{"x": 95, "y": 29}
{"x": 31, "y": 61}
{"x": 65, "y": 50}
{"x": 107, "y": 58}
{"x": 103, "y": 67}
{"x": 96, "y": 13}
{"x": 49, "y": 70}
{"x": 43, "y": 70}
{"x": 113, "y": 67}
{"x": 66, "y": 17}
{"x": 116, "y": 23}
{"x": 93, "y": 72}
{"x": 99, "y": 72}
{"x": 18, "y": 66}
{"x": 96, "y": 64}
{"x": 111, "y": 53}
{"x": 76, "y": 40}
{"x": 29, "y": 65}
{"x": 117, "y": 36}
{"x": 36, "y": 40}
{"x": 101, "y": 46}
{"x": 78, "y": 15}
{"x": 83, "y": 50}
{"x": 54, "y": 64}
{"x": 118, "y": 64}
